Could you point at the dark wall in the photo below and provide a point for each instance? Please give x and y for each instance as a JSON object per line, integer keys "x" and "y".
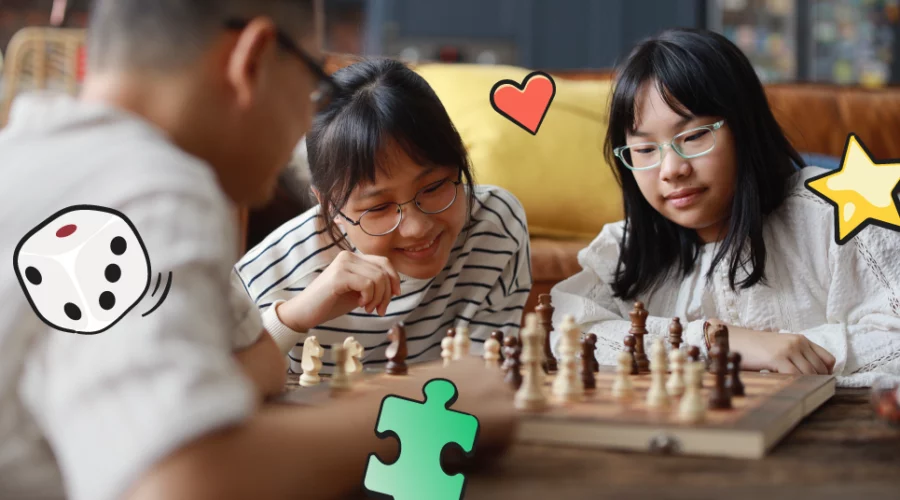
{"x": 551, "y": 34}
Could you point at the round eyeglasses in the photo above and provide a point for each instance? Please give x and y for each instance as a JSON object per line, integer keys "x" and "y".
{"x": 689, "y": 144}
{"x": 384, "y": 219}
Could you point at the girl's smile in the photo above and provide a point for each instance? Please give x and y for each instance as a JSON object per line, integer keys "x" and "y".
{"x": 421, "y": 251}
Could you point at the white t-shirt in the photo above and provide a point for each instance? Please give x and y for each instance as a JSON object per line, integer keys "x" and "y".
{"x": 84, "y": 416}
{"x": 845, "y": 298}
{"x": 484, "y": 285}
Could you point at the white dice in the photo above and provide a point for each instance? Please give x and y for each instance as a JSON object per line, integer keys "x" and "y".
{"x": 83, "y": 268}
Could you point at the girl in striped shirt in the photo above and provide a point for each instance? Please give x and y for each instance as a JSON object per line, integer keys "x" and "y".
{"x": 400, "y": 234}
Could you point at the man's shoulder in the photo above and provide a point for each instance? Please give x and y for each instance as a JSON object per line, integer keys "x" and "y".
{"x": 70, "y": 146}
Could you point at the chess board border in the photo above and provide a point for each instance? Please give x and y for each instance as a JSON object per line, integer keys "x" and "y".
{"x": 753, "y": 435}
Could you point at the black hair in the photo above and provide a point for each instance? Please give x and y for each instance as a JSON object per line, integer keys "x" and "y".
{"x": 699, "y": 73}
{"x": 380, "y": 101}
{"x": 166, "y": 34}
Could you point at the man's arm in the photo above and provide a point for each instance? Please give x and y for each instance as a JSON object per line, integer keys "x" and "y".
{"x": 318, "y": 452}
{"x": 265, "y": 365}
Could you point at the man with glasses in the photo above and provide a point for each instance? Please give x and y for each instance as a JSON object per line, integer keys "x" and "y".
{"x": 190, "y": 108}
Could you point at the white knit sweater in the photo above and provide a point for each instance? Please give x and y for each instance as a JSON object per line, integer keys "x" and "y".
{"x": 845, "y": 298}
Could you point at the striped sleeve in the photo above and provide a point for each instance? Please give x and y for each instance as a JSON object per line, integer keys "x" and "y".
{"x": 504, "y": 304}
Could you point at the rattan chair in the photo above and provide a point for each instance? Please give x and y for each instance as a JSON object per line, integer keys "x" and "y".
{"x": 40, "y": 59}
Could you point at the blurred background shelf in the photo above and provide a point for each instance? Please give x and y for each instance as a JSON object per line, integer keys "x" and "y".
{"x": 848, "y": 42}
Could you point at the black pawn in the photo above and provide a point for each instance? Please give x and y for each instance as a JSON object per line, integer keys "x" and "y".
{"x": 592, "y": 338}
{"x": 630, "y": 342}
{"x": 734, "y": 367}
{"x": 498, "y": 336}
{"x": 694, "y": 353}
{"x": 509, "y": 347}
{"x": 514, "y": 370}
{"x": 720, "y": 397}
{"x": 587, "y": 363}
{"x": 397, "y": 351}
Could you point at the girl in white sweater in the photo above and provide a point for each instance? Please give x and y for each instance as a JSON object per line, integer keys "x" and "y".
{"x": 719, "y": 227}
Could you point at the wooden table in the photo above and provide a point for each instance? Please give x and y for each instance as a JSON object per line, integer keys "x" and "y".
{"x": 841, "y": 451}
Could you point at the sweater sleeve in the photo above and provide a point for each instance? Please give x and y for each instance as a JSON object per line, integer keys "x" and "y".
{"x": 862, "y": 330}
{"x": 112, "y": 405}
{"x": 588, "y": 298}
{"x": 505, "y": 302}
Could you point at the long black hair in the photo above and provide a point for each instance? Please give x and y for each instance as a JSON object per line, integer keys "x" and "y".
{"x": 699, "y": 73}
{"x": 380, "y": 101}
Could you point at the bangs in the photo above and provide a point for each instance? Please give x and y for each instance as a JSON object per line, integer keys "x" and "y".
{"x": 364, "y": 138}
{"x": 680, "y": 78}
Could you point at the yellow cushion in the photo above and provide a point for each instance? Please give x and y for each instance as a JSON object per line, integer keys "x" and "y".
{"x": 560, "y": 174}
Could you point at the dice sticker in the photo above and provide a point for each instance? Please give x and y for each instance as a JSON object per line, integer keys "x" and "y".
{"x": 84, "y": 268}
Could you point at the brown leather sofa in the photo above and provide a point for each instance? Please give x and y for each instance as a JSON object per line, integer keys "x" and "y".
{"x": 817, "y": 119}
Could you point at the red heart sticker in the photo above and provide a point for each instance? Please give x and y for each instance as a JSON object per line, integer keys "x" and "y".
{"x": 525, "y": 104}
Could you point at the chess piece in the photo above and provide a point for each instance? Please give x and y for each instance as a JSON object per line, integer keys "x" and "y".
{"x": 567, "y": 385}
{"x": 544, "y": 311}
{"x": 530, "y": 395}
{"x": 675, "y": 331}
{"x": 592, "y": 338}
{"x": 629, "y": 348}
{"x": 510, "y": 344}
{"x": 587, "y": 363}
{"x": 693, "y": 353}
{"x": 720, "y": 398}
{"x": 622, "y": 389}
{"x": 311, "y": 362}
{"x": 657, "y": 397}
{"x": 720, "y": 336}
{"x": 491, "y": 352}
{"x": 447, "y": 347}
{"x": 639, "y": 329}
{"x": 498, "y": 334}
{"x": 675, "y": 385}
{"x": 354, "y": 353}
{"x": 397, "y": 351}
{"x": 339, "y": 379}
{"x": 692, "y": 408}
{"x": 735, "y": 385}
{"x": 462, "y": 344}
{"x": 513, "y": 364}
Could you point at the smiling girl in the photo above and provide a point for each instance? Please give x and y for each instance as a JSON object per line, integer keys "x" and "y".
{"x": 400, "y": 234}
{"x": 719, "y": 227}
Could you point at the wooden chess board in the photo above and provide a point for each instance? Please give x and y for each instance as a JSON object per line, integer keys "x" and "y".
{"x": 773, "y": 405}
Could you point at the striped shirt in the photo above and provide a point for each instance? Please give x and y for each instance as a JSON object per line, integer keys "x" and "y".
{"x": 484, "y": 284}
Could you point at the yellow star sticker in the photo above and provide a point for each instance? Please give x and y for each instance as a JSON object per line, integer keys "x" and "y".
{"x": 863, "y": 192}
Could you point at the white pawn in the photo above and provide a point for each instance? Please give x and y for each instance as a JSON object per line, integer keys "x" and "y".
{"x": 623, "y": 389}
{"x": 693, "y": 408}
{"x": 491, "y": 353}
{"x": 462, "y": 344}
{"x": 530, "y": 395}
{"x": 657, "y": 396}
{"x": 675, "y": 385}
{"x": 568, "y": 385}
{"x": 339, "y": 379}
{"x": 354, "y": 353}
{"x": 447, "y": 349}
{"x": 311, "y": 362}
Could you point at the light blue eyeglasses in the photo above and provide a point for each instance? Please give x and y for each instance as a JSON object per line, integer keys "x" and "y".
{"x": 689, "y": 144}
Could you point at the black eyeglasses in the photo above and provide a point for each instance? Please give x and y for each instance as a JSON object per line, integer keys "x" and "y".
{"x": 327, "y": 86}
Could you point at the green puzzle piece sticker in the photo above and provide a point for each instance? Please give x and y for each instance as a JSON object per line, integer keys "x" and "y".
{"x": 424, "y": 429}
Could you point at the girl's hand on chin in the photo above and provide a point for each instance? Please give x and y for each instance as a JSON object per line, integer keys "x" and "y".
{"x": 351, "y": 281}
